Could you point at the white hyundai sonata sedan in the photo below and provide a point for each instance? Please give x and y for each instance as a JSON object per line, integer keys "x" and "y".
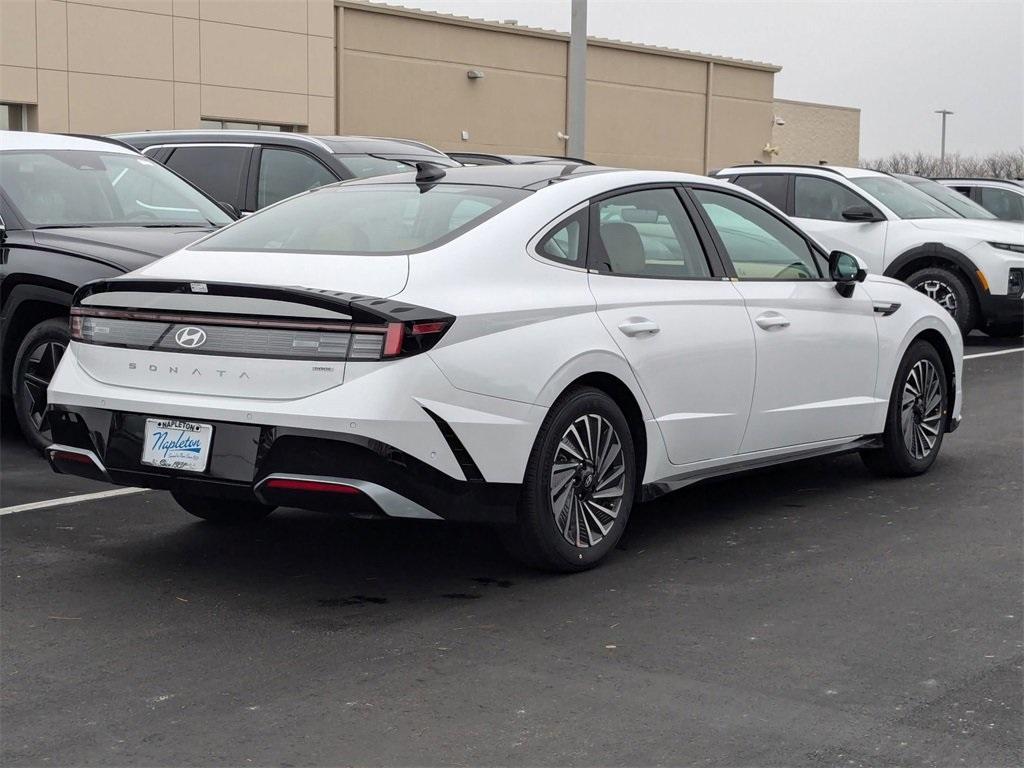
{"x": 538, "y": 347}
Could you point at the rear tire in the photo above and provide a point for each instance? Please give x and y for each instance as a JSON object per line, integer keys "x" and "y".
{"x": 38, "y": 356}
{"x": 579, "y": 485}
{"x": 917, "y": 417}
{"x": 951, "y": 292}
{"x": 222, "y": 511}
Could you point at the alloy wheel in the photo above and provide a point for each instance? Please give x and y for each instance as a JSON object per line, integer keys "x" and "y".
{"x": 941, "y": 293}
{"x": 40, "y": 365}
{"x": 588, "y": 479}
{"x": 921, "y": 409}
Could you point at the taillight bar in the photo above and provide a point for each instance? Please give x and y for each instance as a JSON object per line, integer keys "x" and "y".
{"x": 237, "y": 321}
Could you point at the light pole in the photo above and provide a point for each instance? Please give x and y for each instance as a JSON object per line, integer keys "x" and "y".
{"x": 942, "y": 151}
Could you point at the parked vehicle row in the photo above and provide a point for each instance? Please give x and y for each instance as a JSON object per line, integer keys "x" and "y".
{"x": 1004, "y": 198}
{"x": 972, "y": 267}
{"x": 346, "y": 349}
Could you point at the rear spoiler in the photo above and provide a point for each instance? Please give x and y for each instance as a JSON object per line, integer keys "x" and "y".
{"x": 359, "y": 307}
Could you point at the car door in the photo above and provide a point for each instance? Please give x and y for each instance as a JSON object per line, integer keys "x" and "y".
{"x": 817, "y": 352}
{"x": 220, "y": 170}
{"x": 817, "y": 208}
{"x": 681, "y": 325}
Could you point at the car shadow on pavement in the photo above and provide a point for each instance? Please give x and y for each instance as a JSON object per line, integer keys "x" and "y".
{"x": 335, "y": 561}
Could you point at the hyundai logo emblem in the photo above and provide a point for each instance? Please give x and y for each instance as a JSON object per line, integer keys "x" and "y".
{"x": 190, "y": 337}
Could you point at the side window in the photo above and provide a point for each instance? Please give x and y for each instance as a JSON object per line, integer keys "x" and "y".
{"x": 646, "y": 234}
{"x": 1003, "y": 203}
{"x": 759, "y": 245}
{"x": 816, "y": 198}
{"x": 218, "y": 171}
{"x": 565, "y": 243}
{"x": 286, "y": 172}
{"x": 771, "y": 187}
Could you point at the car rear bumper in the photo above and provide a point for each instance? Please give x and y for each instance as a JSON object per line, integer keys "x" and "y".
{"x": 377, "y": 479}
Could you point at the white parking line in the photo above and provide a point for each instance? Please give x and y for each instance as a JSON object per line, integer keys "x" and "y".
{"x": 991, "y": 354}
{"x": 71, "y": 500}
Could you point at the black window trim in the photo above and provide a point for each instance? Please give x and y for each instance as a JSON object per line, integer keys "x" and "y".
{"x": 715, "y": 265}
{"x": 848, "y": 187}
{"x": 753, "y": 199}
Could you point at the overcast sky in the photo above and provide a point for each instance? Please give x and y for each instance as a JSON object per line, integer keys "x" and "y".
{"x": 897, "y": 60}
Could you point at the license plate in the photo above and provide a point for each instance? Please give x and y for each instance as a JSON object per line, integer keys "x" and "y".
{"x": 174, "y": 444}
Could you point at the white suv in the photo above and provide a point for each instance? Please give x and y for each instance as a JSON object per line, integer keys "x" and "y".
{"x": 1003, "y": 198}
{"x": 975, "y": 269}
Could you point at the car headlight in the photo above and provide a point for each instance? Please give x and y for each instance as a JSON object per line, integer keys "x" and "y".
{"x": 1008, "y": 247}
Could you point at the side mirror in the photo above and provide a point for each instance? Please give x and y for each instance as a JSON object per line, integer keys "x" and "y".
{"x": 847, "y": 270}
{"x": 860, "y": 213}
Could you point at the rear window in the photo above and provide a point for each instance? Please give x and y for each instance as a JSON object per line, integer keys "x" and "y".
{"x": 375, "y": 219}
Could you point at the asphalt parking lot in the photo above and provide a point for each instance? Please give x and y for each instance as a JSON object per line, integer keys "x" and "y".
{"x": 808, "y": 615}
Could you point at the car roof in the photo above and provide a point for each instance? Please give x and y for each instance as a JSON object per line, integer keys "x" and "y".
{"x": 979, "y": 181}
{"x": 823, "y": 170}
{"x": 13, "y": 140}
{"x": 333, "y": 144}
{"x": 529, "y": 176}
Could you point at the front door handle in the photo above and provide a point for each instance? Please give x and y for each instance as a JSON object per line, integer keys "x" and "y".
{"x": 639, "y": 326}
{"x": 770, "y": 320}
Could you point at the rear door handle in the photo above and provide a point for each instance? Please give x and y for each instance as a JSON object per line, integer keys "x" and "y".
{"x": 639, "y": 326}
{"x": 770, "y": 320}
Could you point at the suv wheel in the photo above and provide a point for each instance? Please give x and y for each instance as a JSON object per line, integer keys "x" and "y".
{"x": 579, "y": 485}
{"x": 38, "y": 356}
{"x": 917, "y": 417}
{"x": 950, "y": 291}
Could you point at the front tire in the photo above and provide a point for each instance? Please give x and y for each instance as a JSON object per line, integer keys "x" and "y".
{"x": 223, "y": 512}
{"x": 38, "y": 356}
{"x": 579, "y": 485}
{"x": 917, "y": 417}
{"x": 951, "y": 292}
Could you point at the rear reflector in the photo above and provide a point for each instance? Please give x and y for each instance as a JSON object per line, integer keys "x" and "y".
{"x": 75, "y": 458}
{"x": 312, "y": 486}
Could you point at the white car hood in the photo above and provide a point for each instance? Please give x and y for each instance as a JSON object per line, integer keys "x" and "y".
{"x": 379, "y": 276}
{"x": 992, "y": 231}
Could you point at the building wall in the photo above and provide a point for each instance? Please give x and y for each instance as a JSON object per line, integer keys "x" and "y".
{"x": 816, "y": 132}
{"x": 97, "y": 66}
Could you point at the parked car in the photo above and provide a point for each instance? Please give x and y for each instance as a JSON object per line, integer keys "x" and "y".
{"x": 72, "y": 210}
{"x": 484, "y": 158}
{"x": 975, "y": 269}
{"x": 960, "y": 204}
{"x": 253, "y": 169}
{"x": 1004, "y": 198}
{"x": 487, "y": 345}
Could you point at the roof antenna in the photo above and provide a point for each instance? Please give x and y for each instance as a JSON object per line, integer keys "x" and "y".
{"x": 427, "y": 172}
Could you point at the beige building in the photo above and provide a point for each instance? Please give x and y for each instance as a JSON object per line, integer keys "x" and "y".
{"x": 342, "y": 66}
{"x": 815, "y": 133}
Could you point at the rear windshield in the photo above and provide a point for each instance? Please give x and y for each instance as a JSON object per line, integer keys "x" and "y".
{"x": 375, "y": 219}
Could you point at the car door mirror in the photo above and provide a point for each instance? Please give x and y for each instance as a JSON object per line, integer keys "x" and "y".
{"x": 847, "y": 270}
{"x": 860, "y": 213}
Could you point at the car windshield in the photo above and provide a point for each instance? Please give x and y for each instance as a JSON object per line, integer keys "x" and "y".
{"x": 951, "y": 198}
{"x": 904, "y": 200}
{"x": 76, "y": 188}
{"x": 377, "y": 219}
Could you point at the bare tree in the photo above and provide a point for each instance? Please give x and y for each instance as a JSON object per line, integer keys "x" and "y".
{"x": 999, "y": 165}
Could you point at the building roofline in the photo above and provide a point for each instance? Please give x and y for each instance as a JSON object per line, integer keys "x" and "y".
{"x": 550, "y": 34}
{"x": 817, "y": 104}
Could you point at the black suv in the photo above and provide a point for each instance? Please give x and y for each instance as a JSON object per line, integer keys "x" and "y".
{"x": 72, "y": 210}
{"x": 253, "y": 169}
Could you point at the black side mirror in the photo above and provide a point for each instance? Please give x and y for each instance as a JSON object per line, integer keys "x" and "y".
{"x": 847, "y": 271}
{"x": 229, "y": 209}
{"x": 860, "y": 213}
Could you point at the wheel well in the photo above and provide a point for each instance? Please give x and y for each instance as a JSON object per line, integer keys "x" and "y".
{"x": 623, "y": 397}
{"x": 27, "y": 316}
{"x": 937, "y": 340}
{"x": 923, "y": 262}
